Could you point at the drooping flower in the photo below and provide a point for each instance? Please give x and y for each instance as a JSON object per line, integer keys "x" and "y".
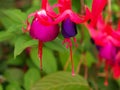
{"x": 39, "y": 29}
{"x": 69, "y": 20}
{"x": 104, "y": 38}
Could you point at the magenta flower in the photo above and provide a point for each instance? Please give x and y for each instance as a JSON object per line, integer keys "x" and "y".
{"x": 104, "y": 37}
{"x": 39, "y": 29}
{"x": 69, "y": 20}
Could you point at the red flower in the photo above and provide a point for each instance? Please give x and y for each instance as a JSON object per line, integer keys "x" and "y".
{"x": 105, "y": 38}
{"x": 69, "y": 20}
{"x": 103, "y": 33}
{"x": 39, "y": 28}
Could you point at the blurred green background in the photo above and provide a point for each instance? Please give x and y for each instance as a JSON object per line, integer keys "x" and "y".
{"x": 19, "y": 63}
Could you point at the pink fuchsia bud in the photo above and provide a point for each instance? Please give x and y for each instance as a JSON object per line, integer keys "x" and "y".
{"x": 105, "y": 37}
{"x": 43, "y": 32}
{"x": 41, "y": 29}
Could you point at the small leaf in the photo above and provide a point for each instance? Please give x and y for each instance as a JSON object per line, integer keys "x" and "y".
{"x": 65, "y": 59}
{"x": 10, "y": 33}
{"x": 13, "y": 87}
{"x": 49, "y": 61}
{"x": 22, "y": 43}
{"x": 115, "y": 7}
{"x": 18, "y": 61}
{"x": 31, "y": 77}
{"x": 90, "y": 59}
{"x": 56, "y": 45}
{"x": 61, "y": 81}
{"x": 1, "y": 88}
{"x": 14, "y": 75}
{"x": 88, "y": 3}
{"x": 11, "y": 17}
{"x": 5, "y": 35}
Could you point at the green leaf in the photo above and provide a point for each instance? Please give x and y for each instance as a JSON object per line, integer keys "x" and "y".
{"x": 31, "y": 77}
{"x": 30, "y": 63}
{"x": 13, "y": 87}
{"x": 18, "y": 61}
{"x": 112, "y": 84}
{"x": 14, "y": 75}
{"x": 16, "y": 28}
{"x": 115, "y": 7}
{"x": 88, "y": 3}
{"x": 11, "y": 17}
{"x": 22, "y": 43}
{"x": 1, "y": 88}
{"x": 90, "y": 59}
{"x": 56, "y": 45}
{"x": 49, "y": 61}
{"x": 11, "y": 32}
{"x": 61, "y": 81}
{"x": 65, "y": 58}
{"x": 36, "y": 3}
{"x": 5, "y": 35}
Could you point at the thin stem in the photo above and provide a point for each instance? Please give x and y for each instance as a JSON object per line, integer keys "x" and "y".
{"x": 106, "y": 71}
{"x": 79, "y": 64}
{"x": 44, "y": 4}
{"x": 40, "y": 45}
{"x": 108, "y": 18}
{"x": 66, "y": 64}
{"x": 85, "y": 65}
{"x": 109, "y": 5}
{"x": 82, "y": 7}
{"x": 72, "y": 62}
{"x": 68, "y": 61}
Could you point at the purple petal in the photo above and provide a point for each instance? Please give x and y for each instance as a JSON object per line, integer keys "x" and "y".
{"x": 68, "y": 28}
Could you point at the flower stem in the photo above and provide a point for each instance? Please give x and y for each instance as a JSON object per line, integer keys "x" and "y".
{"x": 79, "y": 64}
{"x": 106, "y": 71}
{"x": 108, "y": 18}
{"x": 40, "y": 46}
{"x": 82, "y": 7}
{"x": 86, "y": 68}
{"x": 72, "y": 62}
{"x": 44, "y": 4}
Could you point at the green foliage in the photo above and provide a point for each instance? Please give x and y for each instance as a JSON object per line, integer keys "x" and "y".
{"x": 31, "y": 76}
{"x": 22, "y": 43}
{"x": 59, "y": 47}
{"x": 13, "y": 87}
{"x": 14, "y": 75}
{"x": 61, "y": 81}
{"x": 1, "y": 88}
{"x": 90, "y": 59}
{"x": 49, "y": 61}
{"x": 19, "y": 68}
{"x": 12, "y": 17}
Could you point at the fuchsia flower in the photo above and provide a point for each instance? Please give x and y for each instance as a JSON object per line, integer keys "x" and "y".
{"x": 39, "y": 29}
{"x": 44, "y": 26}
{"x": 104, "y": 38}
{"x": 69, "y": 20}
